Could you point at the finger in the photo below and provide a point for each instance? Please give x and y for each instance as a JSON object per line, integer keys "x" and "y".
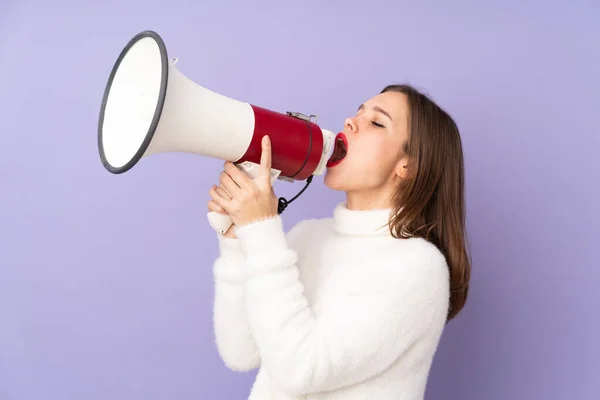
{"x": 240, "y": 178}
{"x": 218, "y": 199}
{"x": 227, "y": 183}
{"x": 221, "y": 192}
{"x": 214, "y": 207}
{"x": 265, "y": 156}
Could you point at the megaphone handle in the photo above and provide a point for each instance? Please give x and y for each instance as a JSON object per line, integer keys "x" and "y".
{"x": 219, "y": 222}
{"x": 222, "y": 222}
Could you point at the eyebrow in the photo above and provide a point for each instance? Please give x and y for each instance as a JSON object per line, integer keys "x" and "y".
{"x": 378, "y": 109}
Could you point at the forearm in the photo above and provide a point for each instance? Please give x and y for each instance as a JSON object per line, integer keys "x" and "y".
{"x": 234, "y": 340}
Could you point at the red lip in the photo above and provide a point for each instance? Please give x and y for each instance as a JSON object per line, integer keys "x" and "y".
{"x": 338, "y": 154}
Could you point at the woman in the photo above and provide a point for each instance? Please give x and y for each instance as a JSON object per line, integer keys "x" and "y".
{"x": 353, "y": 306}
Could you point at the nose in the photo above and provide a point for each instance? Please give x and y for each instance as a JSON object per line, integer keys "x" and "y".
{"x": 350, "y": 125}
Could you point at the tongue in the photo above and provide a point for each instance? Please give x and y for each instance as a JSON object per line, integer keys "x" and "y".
{"x": 339, "y": 152}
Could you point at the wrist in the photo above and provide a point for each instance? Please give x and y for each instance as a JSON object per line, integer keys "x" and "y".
{"x": 264, "y": 234}
{"x": 229, "y": 246}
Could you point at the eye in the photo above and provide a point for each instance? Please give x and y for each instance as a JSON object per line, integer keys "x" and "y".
{"x": 377, "y": 124}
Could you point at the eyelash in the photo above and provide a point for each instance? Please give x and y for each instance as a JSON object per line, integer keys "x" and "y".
{"x": 377, "y": 124}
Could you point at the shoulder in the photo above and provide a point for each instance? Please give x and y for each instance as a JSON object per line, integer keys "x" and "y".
{"x": 421, "y": 255}
{"x": 415, "y": 262}
{"x": 419, "y": 251}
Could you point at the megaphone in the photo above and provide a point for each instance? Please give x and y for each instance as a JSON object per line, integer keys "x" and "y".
{"x": 150, "y": 107}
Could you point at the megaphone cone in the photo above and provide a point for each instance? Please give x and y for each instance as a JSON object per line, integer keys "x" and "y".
{"x": 150, "y": 107}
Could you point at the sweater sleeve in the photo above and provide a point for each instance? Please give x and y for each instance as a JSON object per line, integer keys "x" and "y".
{"x": 379, "y": 312}
{"x": 234, "y": 341}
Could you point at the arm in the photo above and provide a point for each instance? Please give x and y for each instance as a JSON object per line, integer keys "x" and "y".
{"x": 234, "y": 340}
{"x": 382, "y": 311}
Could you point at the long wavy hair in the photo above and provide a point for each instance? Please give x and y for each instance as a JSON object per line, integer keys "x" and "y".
{"x": 430, "y": 203}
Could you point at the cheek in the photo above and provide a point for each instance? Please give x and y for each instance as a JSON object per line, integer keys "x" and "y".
{"x": 379, "y": 162}
{"x": 374, "y": 154}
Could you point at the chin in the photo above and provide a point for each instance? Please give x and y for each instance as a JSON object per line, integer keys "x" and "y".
{"x": 334, "y": 180}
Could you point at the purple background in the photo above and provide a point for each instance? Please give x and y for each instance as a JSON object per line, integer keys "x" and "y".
{"x": 105, "y": 281}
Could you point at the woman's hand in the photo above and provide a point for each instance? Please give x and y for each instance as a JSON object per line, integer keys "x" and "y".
{"x": 246, "y": 200}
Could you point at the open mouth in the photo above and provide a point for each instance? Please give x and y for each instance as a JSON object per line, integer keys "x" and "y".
{"x": 340, "y": 150}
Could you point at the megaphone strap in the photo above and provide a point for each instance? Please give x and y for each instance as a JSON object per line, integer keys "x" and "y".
{"x": 283, "y": 202}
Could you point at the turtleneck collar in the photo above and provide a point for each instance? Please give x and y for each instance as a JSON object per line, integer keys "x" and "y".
{"x": 361, "y": 222}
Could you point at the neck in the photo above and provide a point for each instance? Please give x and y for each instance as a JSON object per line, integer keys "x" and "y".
{"x": 368, "y": 222}
{"x": 368, "y": 200}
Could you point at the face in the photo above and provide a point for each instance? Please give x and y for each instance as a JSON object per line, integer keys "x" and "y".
{"x": 374, "y": 159}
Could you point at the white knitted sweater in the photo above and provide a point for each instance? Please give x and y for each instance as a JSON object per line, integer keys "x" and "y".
{"x": 335, "y": 309}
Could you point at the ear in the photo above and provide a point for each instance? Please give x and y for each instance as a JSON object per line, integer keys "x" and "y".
{"x": 401, "y": 169}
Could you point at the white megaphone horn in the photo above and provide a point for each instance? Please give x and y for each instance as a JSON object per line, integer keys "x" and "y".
{"x": 149, "y": 107}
